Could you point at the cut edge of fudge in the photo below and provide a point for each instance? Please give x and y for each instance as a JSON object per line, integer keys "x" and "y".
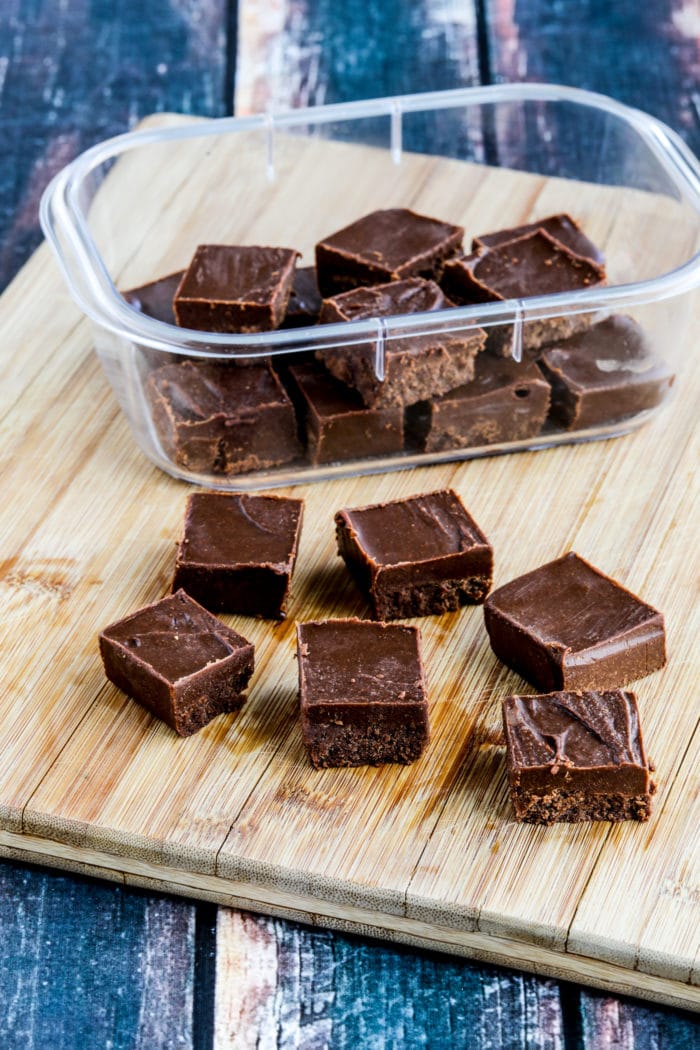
{"x": 588, "y": 389}
{"x": 505, "y": 401}
{"x": 337, "y": 425}
{"x": 416, "y": 367}
{"x": 576, "y": 756}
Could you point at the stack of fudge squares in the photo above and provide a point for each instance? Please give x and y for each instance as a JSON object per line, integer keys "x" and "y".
{"x": 445, "y": 389}
{"x": 574, "y": 749}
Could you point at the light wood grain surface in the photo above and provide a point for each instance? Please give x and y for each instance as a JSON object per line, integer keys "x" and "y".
{"x": 427, "y": 853}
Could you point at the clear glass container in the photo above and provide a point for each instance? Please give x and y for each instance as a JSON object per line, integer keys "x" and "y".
{"x": 134, "y": 208}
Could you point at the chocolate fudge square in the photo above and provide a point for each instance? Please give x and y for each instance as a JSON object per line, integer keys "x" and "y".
{"x": 575, "y": 756}
{"x": 561, "y": 227}
{"x": 155, "y": 299}
{"x": 386, "y": 245}
{"x": 415, "y": 367}
{"x": 338, "y": 426}
{"x": 178, "y": 661}
{"x": 222, "y": 419}
{"x": 419, "y": 556}
{"x": 603, "y": 375}
{"x": 566, "y": 625}
{"x": 235, "y": 288}
{"x": 535, "y": 264}
{"x": 362, "y": 693}
{"x": 237, "y": 552}
{"x": 505, "y": 401}
{"x": 304, "y": 303}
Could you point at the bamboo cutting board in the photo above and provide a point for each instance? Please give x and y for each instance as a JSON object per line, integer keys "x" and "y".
{"x": 427, "y": 854}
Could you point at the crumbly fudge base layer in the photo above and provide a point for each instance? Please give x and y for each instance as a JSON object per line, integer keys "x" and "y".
{"x": 416, "y": 369}
{"x": 564, "y": 807}
{"x": 334, "y": 745}
{"x": 220, "y": 701}
{"x": 429, "y": 599}
{"x": 536, "y": 334}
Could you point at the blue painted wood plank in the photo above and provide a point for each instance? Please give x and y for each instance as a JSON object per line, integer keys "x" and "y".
{"x": 89, "y": 964}
{"x": 77, "y": 72}
{"x": 630, "y": 1025}
{"x": 310, "y": 52}
{"x": 645, "y": 54}
{"x": 312, "y": 988}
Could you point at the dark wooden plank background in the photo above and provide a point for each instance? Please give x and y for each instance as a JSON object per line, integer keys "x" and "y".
{"x": 86, "y": 964}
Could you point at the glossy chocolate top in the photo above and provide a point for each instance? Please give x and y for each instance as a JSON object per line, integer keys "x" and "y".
{"x": 561, "y": 227}
{"x": 567, "y": 604}
{"x": 359, "y": 661}
{"x": 535, "y": 264}
{"x": 417, "y": 529}
{"x": 612, "y": 353}
{"x": 198, "y": 390}
{"x": 236, "y": 273}
{"x": 587, "y": 742}
{"x": 414, "y": 295}
{"x": 240, "y": 529}
{"x": 156, "y": 298}
{"x": 176, "y": 637}
{"x": 396, "y": 240}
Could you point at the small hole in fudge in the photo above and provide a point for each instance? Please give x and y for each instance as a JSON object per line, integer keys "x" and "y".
{"x": 522, "y": 391}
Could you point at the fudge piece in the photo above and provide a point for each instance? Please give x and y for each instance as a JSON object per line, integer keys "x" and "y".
{"x": 235, "y": 289}
{"x": 567, "y": 626}
{"x": 178, "y": 661}
{"x": 304, "y": 303}
{"x": 418, "y": 556}
{"x": 237, "y": 552}
{"x": 534, "y": 264}
{"x": 362, "y": 693}
{"x": 561, "y": 227}
{"x": 576, "y": 756}
{"x": 605, "y": 374}
{"x": 415, "y": 367}
{"x": 337, "y": 425}
{"x": 222, "y": 419}
{"x": 505, "y": 401}
{"x": 386, "y": 245}
{"x": 156, "y": 298}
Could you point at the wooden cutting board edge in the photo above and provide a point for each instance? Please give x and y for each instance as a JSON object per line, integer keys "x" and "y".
{"x": 363, "y": 922}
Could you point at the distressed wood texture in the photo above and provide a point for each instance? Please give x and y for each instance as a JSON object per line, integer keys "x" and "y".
{"x": 74, "y": 73}
{"x": 645, "y": 54}
{"x": 86, "y": 964}
{"x": 308, "y": 52}
{"x": 92, "y": 777}
{"x": 315, "y": 989}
